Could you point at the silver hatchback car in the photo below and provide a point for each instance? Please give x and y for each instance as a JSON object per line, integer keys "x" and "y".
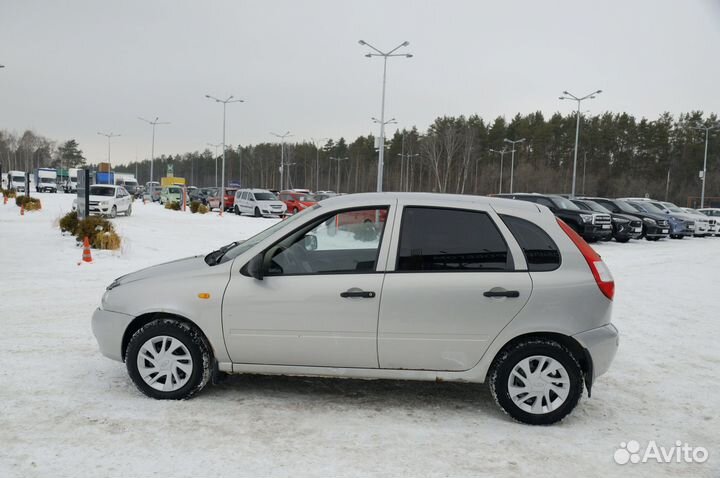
{"x": 380, "y": 285}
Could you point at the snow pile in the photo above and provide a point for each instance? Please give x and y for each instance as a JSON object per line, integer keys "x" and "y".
{"x": 67, "y": 411}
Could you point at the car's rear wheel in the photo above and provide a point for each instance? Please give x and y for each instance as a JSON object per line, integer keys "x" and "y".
{"x": 168, "y": 359}
{"x": 538, "y": 381}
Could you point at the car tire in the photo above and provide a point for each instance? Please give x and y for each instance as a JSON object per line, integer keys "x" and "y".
{"x": 113, "y": 212}
{"x": 295, "y": 211}
{"x": 542, "y": 404}
{"x": 129, "y": 210}
{"x": 257, "y": 212}
{"x": 237, "y": 211}
{"x": 187, "y": 370}
{"x": 622, "y": 240}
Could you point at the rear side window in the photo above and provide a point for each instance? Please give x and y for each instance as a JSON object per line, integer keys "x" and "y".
{"x": 541, "y": 252}
{"x": 450, "y": 240}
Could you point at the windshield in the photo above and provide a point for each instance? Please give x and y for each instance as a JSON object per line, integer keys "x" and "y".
{"x": 130, "y": 183}
{"x": 174, "y": 190}
{"x": 308, "y": 198}
{"x": 672, "y": 207}
{"x": 647, "y": 207}
{"x": 626, "y": 207}
{"x": 265, "y": 197}
{"x": 243, "y": 246}
{"x": 102, "y": 191}
{"x": 230, "y": 192}
{"x": 47, "y": 180}
{"x": 18, "y": 179}
{"x": 597, "y": 207}
{"x": 563, "y": 203}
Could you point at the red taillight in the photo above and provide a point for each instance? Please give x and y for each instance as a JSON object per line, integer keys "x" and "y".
{"x": 600, "y": 271}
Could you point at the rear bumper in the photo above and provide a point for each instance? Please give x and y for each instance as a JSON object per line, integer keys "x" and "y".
{"x": 602, "y": 344}
{"x": 108, "y": 329}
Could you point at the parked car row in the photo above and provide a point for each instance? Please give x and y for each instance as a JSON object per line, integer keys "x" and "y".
{"x": 623, "y": 219}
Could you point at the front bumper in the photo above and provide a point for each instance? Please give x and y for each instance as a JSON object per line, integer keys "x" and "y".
{"x": 594, "y": 232}
{"x": 602, "y": 344}
{"x": 108, "y": 329}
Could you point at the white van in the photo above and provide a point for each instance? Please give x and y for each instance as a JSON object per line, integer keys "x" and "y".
{"x": 16, "y": 181}
{"x": 258, "y": 202}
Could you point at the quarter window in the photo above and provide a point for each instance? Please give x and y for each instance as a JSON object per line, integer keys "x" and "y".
{"x": 541, "y": 252}
{"x": 450, "y": 240}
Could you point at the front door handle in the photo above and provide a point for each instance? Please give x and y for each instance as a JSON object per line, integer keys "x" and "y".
{"x": 357, "y": 293}
{"x": 501, "y": 293}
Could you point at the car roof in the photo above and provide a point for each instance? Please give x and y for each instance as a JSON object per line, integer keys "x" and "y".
{"x": 440, "y": 199}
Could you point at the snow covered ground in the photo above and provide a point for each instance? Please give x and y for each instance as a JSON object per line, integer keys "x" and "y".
{"x": 65, "y": 410}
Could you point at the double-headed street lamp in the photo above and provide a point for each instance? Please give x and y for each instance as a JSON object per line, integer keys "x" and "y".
{"x": 216, "y": 146}
{"x": 109, "y": 136}
{"x": 570, "y": 96}
{"x": 338, "y": 171}
{"x": 282, "y": 157}
{"x": 385, "y": 56}
{"x": 224, "y": 102}
{"x": 512, "y": 159}
{"x": 154, "y": 123}
{"x": 502, "y": 156}
{"x": 704, "y": 169}
{"x": 317, "y": 143}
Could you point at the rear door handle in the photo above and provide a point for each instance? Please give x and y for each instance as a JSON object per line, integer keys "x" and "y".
{"x": 501, "y": 293}
{"x": 357, "y": 293}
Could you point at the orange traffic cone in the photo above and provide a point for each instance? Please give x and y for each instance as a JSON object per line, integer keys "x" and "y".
{"x": 86, "y": 257}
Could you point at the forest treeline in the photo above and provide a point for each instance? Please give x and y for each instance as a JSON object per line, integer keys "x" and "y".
{"x": 619, "y": 155}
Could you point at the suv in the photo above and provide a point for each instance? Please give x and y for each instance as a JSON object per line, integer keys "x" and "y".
{"x": 524, "y": 303}
{"x": 590, "y": 225}
{"x": 701, "y": 224}
{"x": 713, "y": 213}
{"x": 624, "y": 227}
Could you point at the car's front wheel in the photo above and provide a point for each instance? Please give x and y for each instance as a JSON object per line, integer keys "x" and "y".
{"x": 129, "y": 210}
{"x": 168, "y": 359}
{"x": 537, "y": 381}
{"x": 113, "y": 212}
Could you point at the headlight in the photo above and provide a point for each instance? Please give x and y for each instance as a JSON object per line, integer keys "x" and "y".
{"x": 586, "y": 217}
{"x": 649, "y": 221}
{"x": 105, "y": 203}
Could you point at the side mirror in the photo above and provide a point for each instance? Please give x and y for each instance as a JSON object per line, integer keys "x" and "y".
{"x": 254, "y": 268}
{"x": 310, "y": 243}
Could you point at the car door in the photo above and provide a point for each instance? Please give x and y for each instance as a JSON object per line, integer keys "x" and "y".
{"x": 317, "y": 303}
{"x": 455, "y": 279}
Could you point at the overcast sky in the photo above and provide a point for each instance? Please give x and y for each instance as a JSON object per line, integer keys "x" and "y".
{"x": 74, "y": 68}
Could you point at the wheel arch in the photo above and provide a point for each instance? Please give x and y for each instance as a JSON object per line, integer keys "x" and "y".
{"x": 144, "y": 319}
{"x": 579, "y": 352}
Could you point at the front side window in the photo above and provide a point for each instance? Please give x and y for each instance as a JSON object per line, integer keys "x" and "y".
{"x": 541, "y": 252}
{"x": 450, "y": 240}
{"x": 344, "y": 243}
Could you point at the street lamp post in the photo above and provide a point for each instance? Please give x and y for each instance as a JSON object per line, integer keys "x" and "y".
{"x": 570, "y": 96}
{"x": 316, "y": 142}
{"x": 282, "y": 157}
{"x": 385, "y": 56}
{"x": 502, "y": 156}
{"x": 216, "y": 146}
{"x": 109, "y": 136}
{"x": 338, "y": 171}
{"x": 512, "y": 160}
{"x": 224, "y": 102}
{"x": 154, "y": 123}
{"x": 704, "y": 169}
